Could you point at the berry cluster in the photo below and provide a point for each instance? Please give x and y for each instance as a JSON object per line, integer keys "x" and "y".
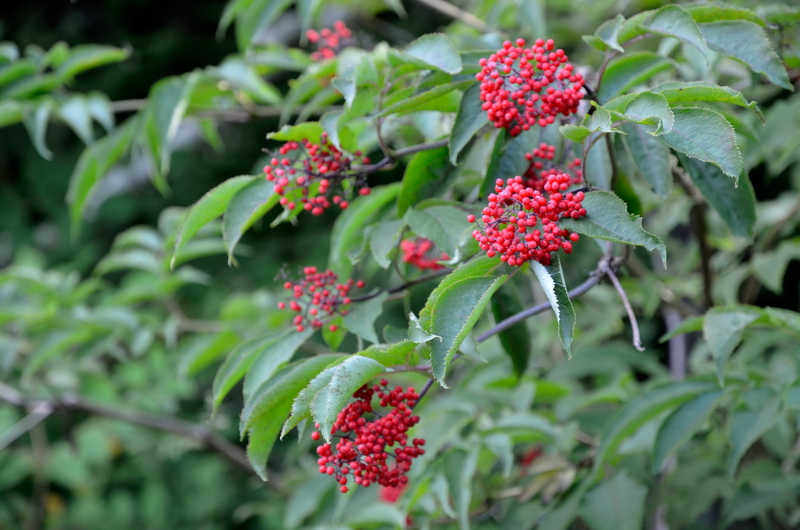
{"x": 316, "y": 170}
{"x": 542, "y": 166}
{"x": 419, "y": 253}
{"x": 362, "y": 447}
{"x": 317, "y": 298}
{"x": 329, "y": 42}
{"x": 522, "y": 87}
{"x": 515, "y": 208}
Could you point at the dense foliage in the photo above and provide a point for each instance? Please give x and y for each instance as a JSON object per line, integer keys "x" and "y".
{"x": 515, "y": 264}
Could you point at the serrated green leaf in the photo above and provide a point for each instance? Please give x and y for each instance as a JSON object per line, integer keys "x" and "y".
{"x": 702, "y": 13}
{"x": 271, "y": 355}
{"x": 470, "y": 118}
{"x": 679, "y": 92}
{"x": 747, "y": 42}
{"x": 628, "y": 71}
{"x": 576, "y": 133}
{"x": 88, "y": 56}
{"x": 415, "y": 332}
{"x": 639, "y": 411}
{"x": 681, "y": 425}
{"x": 349, "y": 226}
{"x": 362, "y": 315}
{"x": 209, "y": 207}
{"x": 607, "y": 218}
{"x": 310, "y": 130}
{"x": 301, "y": 406}
{"x": 706, "y": 135}
{"x": 247, "y": 206}
{"x": 606, "y": 36}
{"x": 674, "y": 21}
{"x": 516, "y": 340}
{"x": 651, "y": 157}
{"x": 615, "y": 504}
{"x": 723, "y": 329}
{"x": 648, "y": 108}
{"x": 274, "y": 349}
{"x": 417, "y": 102}
{"x": 346, "y": 377}
{"x": 383, "y": 239}
{"x": 735, "y": 204}
{"x": 435, "y": 49}
{"x": 551, "y": 278}
{"x": 749, "y": 426}
{"x": 425, "y": 173}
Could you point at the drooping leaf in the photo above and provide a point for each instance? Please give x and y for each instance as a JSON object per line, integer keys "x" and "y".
{"x": 469, "y": 120}
{"x": 88, "y": 56}
{"x": 209, "y": 207}
{"x": 749, "y": 426}
{"x": 681, "y": 425}
{"x": 735, "y": 204}
{"x": 551, "y": 278}
{"x": 607, "y": 218}
{"x": 639, "y": 411}
{"x": 424, "y": 174}
{"x": 651, "y": 157}
{"x": 75, "y": 113}
{"x": 723, "y": 329}
{"x": 674, "y": 21}
{"x": 249, "y": 205}
{"x": 349, "y": 226}
{"x": 36, "y": 120}
{"x": 747, "y": 42}
{"x": 680, "y": 92}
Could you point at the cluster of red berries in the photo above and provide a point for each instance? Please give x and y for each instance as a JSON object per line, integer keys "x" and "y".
{"x": 542, "y": 166}
{"x": 362, "y": 447}
{"x": 419, "y": 253}
{"x": 522, "y": 87}
{"x": 329, "y": 42}
{"x": 315, "y": 169}
{"x": 318, "y": 297}
{"x": 515, "y": 208}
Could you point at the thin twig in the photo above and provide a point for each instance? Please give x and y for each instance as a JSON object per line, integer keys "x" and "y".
{"x": 697, "y": 218}
{"x": 407, "y": 285}
{"x": 455, "y": 12}
{"x": 428, "y": 385}
{"x": 637, "y": 340}
{"x": 39, "y": 413}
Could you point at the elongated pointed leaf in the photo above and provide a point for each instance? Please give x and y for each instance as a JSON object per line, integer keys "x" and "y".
{"x": 270, "y": 356}
{"x": 749, "y": 426}
{"x": 639, "y": 411}
{"x": 674, "y": 21}
{"x": 88, "y": 56}
{"x": 362, "y": 315}
{"x": 254, "y": 16}
{"x": 36, "y": 120}
{"x": 723, "y": 329}
{"x": 629, "y": 70}
{"x": 516, "y": 340}
{"x": 301, "y": 406}
{"x": 551, "y": 278}
{"x": 470, "y": 119}
{"x": 607, "y": 35}
{"x": 383, "y": 239}
{"x": 417, "y": 102}
{"x": 249, "y": 205}
{"x": 615, "y": 504}
{"x": 651, "y": 109}
{"x": 651, "y": 157}
{"x": 244, "y": 77}
{"x": 607, "y": 218}
{"x": 209, "y": 207}
{"x": 679, "y": 92}
{"x": 681, "y": 425}
{"x": 75, "y": 113}
{"x": 166, "y": 107}
{"x": 424, "y": 175}
{"x": 435, "y": 49}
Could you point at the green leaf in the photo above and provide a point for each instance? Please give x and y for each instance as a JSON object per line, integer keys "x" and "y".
{"x": 607, "y": 218}
{"x": 460, "y": 467}
{"x": 681, "y": 425}
{"x": 346, "y": 377}
{"x": 209, "y": 207}
{"x": 735, "y": 204}
{"x": 436, "y": 50}
{"x": 551, "y": 278}
{"x": 264, "y": 414}
{"x": 383, "y": 239}
{"x": 274, "y": 349}
{"x": 747, "y": 42}
{"x": 16, "y": 70}
{"x": 36, "y": 120}
{"x": 301, "y": 406}
{"x": 500, "y": 444}
{"x": 396, "y": 6}
{"x": 424, "y": 174}
{"x": 516, "y": 340}
{"x": 445, "y": 225}
{"x": 417, "y": 102}
{"x": 416, "y": 334}
{"x": 674, "y": 21}
{"x": 11, "y": 112}
{"x": 306, "y": 11}
{"x": 508, "y": 158}
{"x": 469, "y": 120}
{"x": 576, "y": 133}
{"x": 639, "y": 411}
{"x": 702, "y": 13}
{"x": 770, "y": 267}
{"x": 679, "y": 93}
{"x": 749, "y": 426}
{"x": 244, "y": 77}
{"x": 647, "y": 108}
{"x": 651, "y": 157}
{"x": 310, "y": 130}
{"x": 272, "y": 354}
{"x": 349, "y": 226}
{"x": 606, "y": 36}
{"x": 75, "y": 113}
{"x": 598, "y": 171}
{"x": 706, "y": 135}
{"x": 453, "y": 308}
{"x": 247, "y": 206}
{"x": 627, "y": 71}
{"x": 255, "y": 16}
{"x": 615, "y": 504}
{"x": 723, "y": 329}
{"x": 166, "y": 107}
{"x": 88, "y": 56}
{"x": 93, "y": 164}
{"x": 362, "y": 315}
